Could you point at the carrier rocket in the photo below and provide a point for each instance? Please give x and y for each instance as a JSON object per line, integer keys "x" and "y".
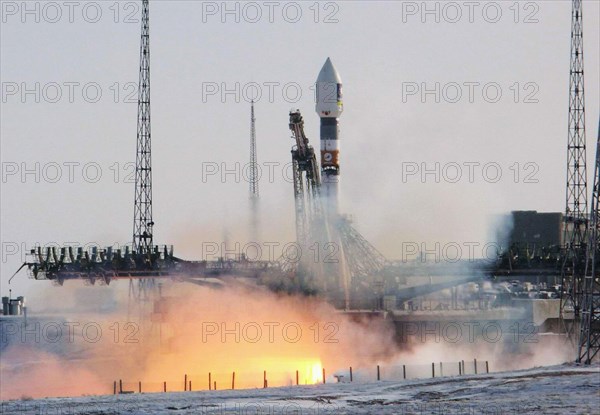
{"x": 329, "y": 106}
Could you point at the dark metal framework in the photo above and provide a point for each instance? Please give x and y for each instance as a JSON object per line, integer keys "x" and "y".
{"x": 356, "y": 264}
{"x": 307, "y": 181}
{"x": 104, "y": 265}
{"x": 253, "y": 158}
{"x": 589, "y": 336}
{"x": 253, "y": 178}
{"x": 365, "y": 265}
{"x": 576, "y": 221}
{"x": 142, "y": 218}
{"x": 364, "y": 260}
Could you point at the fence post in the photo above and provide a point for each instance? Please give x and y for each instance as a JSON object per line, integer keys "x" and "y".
{"x": 441, "y": 370}
{"x": 120, "y": 386}
{"x": 487, "y": 367}
{"x": 233, "y": 381}
{"x": 209, "y": 381}
{"x": 264, "y": 379}
{"x": 464, "y": 370}
{"x": 140, "y": 386}
{"x": 432, "y": 370}
{"x": 185, "y": 383}
{"x": 215, "y": 385}
{"x": 190, "y": 388}
{"x": 350, "y": 373}
{"x": 378, "y": 374}
{"x": 115, "y": 388}
{"x": 164, "y": 386}
{"x": 459, "y": 369}
{"x": 297, "y": 378}
{"x": 475, "y": 362}
{"x": 323, "y": 375}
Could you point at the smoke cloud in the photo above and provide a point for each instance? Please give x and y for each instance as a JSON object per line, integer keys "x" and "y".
{"x": 195, "y": 331}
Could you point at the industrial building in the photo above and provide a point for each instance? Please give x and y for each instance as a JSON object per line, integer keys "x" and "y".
{"x": 532, "y": 229}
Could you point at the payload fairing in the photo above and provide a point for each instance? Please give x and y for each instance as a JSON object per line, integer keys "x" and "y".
{"x": 329, "y": 106}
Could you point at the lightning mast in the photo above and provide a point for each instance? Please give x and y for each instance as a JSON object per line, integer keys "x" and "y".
{"x": 589, "y": 336}
{"x": 142, "y": 217}
{"x": 253, "y": 177}
{"x": 253, "y": 161}
{"x": 575, "y": 221}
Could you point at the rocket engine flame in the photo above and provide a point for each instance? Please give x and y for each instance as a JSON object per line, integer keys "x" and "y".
{"x": 195, "y": 332}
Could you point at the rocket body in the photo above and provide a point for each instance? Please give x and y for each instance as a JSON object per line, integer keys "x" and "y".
{"x": 329, "y": 107}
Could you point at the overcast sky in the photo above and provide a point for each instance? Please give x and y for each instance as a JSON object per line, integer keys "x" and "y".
{"x": 386, "y": 54}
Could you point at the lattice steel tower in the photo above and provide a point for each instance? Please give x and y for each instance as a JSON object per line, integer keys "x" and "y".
{"x": 253, "y": 179}
{"x": 575, "y": 221}
{"x": 142, "y": 217}
{"x": 589, "y": 336}
{"x": 253, "y": 161}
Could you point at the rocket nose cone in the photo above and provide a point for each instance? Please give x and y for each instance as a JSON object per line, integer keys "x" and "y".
{"x": 329, "y": 73}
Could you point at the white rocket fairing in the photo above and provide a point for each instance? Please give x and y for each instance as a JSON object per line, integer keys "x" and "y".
{"x": 329, "y": 106}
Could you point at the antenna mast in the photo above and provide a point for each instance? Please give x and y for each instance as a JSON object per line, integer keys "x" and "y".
{"x": 253, "y": 160}
{"x": 142, "y": 217}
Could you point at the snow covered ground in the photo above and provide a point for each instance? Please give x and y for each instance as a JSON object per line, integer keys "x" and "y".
{"x": 560, "y": 389}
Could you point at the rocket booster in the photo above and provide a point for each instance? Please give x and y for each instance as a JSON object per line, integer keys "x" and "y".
{"x": 329, "y": 106}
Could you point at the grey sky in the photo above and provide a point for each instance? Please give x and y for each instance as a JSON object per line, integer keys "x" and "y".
{"x": 377, "y": 49}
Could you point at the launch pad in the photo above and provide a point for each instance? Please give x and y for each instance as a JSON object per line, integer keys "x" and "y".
{"x": 361, "y": 272}
{"x": 105, "y": 265}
